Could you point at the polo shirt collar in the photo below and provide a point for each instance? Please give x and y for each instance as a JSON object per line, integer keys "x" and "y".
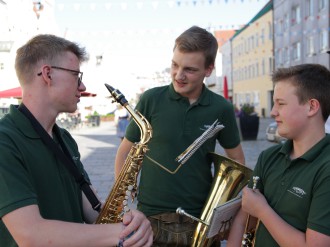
{"x": 312, "y": 153}
{"x": 22, "y": 122}
{"x": 204, "y": 98}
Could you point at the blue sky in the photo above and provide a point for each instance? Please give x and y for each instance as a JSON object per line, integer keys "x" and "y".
{"x": 137, "y": 36}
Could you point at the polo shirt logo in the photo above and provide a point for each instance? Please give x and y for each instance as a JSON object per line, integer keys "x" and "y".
{"x": 297, "y": 192}
{"x": 205, "y": 127}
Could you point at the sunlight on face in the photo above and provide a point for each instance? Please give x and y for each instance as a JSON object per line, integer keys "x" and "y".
{"x": 287, "y": 112}
{"x": 188, "y": 73}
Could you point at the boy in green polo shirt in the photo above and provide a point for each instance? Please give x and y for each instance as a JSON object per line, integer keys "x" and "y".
{"x": 292, "y": 198}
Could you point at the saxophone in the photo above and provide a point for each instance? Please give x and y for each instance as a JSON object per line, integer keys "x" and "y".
{"x": 125, "y": 185}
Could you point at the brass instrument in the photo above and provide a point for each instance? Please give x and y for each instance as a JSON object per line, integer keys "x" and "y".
{"x": 249, "y": 233}
{"x": 125, "y": 185}
{"x": 229, "y": 179}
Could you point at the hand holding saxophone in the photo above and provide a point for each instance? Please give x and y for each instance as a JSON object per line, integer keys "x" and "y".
{"x": 253, "y": 202}
{"x": 137, "y": 229}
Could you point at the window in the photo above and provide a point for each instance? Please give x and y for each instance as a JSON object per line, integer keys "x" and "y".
{"x": 310, "y": 46}
{"x": 270, "y": 64}
{"x": 270, "y": 31}
{"x": 296, "y": 51}
{"x": 309, "y": 8}
{"x": 323, "y": 40}
{"x": 279, "y": 26}
{"x": 262, "y": 36}
{"x": 286, "y": 22}
{"x": 296, "y": 15}
{"x": 263, "y": 67}
{"x": 257, "y": 39}
{"x": 321, "y": 4}
{"x": 286, "y": 55}
{"x": 257, "y": 69}
{"x": 279, "y": 57}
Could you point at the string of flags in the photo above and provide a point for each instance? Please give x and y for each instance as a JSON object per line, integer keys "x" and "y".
{"x": 108, "y": 5}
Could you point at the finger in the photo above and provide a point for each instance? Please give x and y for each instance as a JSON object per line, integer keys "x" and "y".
{"x": 127, "y": 218}
{"x": 141, "y": 235}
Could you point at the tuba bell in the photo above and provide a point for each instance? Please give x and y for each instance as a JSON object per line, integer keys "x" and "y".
{"x": 230, "y": 177}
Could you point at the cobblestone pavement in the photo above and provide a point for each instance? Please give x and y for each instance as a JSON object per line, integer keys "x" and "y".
{"x": 98, "y": 147}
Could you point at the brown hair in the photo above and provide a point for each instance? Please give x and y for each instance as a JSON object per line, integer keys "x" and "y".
{"x": 312, "y": 82}
{"x": 197, "y": 39}
{"x": 43, "y": 48}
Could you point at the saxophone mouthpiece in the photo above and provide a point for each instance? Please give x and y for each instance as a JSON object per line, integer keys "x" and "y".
{"x": 117, "y": 95}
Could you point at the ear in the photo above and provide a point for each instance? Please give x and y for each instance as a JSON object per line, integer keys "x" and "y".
{"x": 314, "y": 107}
{"x": 209, "y": 70}
{"x": 45, "y": 73}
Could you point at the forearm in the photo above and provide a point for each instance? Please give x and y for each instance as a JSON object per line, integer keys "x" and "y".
{"x": 283, "y": 233}
{"x": 122, "y": 153}
{"x": 58, "y": 233}
{"x": 119, "y": 163}
{"x": 236, "y": 154}
{"x": 237, "y": 230}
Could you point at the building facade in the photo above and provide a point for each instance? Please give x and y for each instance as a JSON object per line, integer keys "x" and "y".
{"x": 301, "y": 32}
{"x": 253, "y": 63}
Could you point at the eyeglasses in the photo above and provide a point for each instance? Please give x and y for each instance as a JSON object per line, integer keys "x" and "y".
{"x": 79, "y": 73}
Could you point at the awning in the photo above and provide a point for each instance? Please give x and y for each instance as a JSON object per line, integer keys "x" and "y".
{"x": 11, "y": 93}
{"x": 17, "y": 93}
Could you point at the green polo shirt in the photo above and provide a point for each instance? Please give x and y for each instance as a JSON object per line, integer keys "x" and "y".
{"x": 31, "y": 174}
{"x": 298, "y": 190}
{"x": 176, "y": 125}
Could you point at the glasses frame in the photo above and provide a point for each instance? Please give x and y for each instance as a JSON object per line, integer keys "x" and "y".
{"x": 80, "y": 74}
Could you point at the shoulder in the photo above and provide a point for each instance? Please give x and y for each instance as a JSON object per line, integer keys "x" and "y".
{"x": 271, "y": 154}
{"x": 153, "y": 96}
{"x": 218, "y": 100}
{"x": 67, "y": 137}
{"x": 156, "y": 91}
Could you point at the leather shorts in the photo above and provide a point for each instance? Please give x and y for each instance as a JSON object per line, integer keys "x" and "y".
{"x": 171, "y": 229}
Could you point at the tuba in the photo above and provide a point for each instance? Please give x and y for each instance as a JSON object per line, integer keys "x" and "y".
{"x": 230, "y": 177}
{"x": 125, "y": 186}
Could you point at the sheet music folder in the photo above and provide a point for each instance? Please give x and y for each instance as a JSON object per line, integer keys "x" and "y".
{"x": 223, "y": 217}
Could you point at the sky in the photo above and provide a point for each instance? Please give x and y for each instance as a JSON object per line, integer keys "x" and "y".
{"x": 136, "y": 37}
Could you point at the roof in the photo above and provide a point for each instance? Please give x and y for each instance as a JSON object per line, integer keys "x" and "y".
{"x": 264, "y": 10}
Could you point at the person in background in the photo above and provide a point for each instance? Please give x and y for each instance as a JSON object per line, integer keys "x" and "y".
{"x": 121, "y": 121}
{"x": 41, "y": 204}
{"x": 179, "y": 113}
{"x": 291, "y": 201}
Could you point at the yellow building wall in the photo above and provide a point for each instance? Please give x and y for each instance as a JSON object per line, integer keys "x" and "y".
{"x": 253, "y": 65}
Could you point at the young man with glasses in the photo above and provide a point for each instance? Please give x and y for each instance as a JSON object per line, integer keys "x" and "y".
{"x": 41, "y": 203}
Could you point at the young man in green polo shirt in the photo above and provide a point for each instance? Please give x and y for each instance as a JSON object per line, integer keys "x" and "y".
{"x": 41, "y": 203}
{"x": 292, "y": 197}
{"x": 179, "y": 113}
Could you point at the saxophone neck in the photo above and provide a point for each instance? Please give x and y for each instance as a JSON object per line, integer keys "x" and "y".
{"x": 142, "y": 122}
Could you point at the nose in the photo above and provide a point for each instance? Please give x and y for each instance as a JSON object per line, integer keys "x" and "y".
{"x": 273, "y": 112}
{"x": 180, "y": 76}
{"x": 82, "y": 87}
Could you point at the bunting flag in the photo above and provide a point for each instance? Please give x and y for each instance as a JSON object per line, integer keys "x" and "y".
{"x": 123, "y": 5}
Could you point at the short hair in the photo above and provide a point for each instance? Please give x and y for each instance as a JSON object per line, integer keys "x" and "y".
{"x": 45, "y": 48}
{"x": 312, "y": 82}
{"x": 197, "y": 39}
